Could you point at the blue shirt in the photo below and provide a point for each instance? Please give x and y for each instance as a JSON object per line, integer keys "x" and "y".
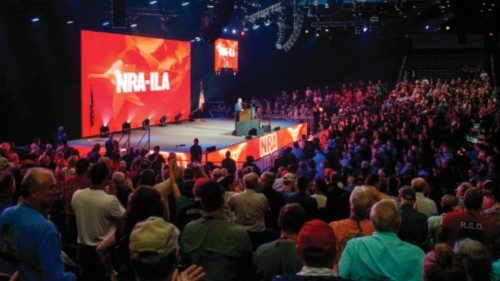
{"x": 33, "y": 242}
{"x": 381, "y": 256}
{"x": 238, "y": 107}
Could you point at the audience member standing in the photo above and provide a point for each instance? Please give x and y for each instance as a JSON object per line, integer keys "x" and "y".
{"x": 229, "y": 163}
{"x": 222, "y": 248}
{"x": 413, "y": 227}
{"x": 468, "y": 223}
{"x": 280, "y": 256}
{"x": 96, "y": 214}
{"x": 30, "y": 241}
{"x": 382, "y": 256}
{"x": 316, "y": 248}
{"x": 196, "y": 151}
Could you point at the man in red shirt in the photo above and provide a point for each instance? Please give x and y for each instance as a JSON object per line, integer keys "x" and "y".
{"x": 468, "y": 223}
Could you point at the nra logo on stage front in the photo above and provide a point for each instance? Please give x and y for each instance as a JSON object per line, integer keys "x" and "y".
{"x": 268, "y": 144}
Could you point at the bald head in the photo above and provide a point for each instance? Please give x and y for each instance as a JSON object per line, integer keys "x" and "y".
{"x": 251, "y": 180}
{"x": 385, "y": 216}
{"x": 34, "y": 179}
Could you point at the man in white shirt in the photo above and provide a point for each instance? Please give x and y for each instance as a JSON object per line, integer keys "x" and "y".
{"x": 249, "y": 206}
{"x": 96, "y": 214}
{"x": 424, "y": 205}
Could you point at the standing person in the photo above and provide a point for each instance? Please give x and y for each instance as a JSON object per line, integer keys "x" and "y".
{"x": 316, "y": 248}
{"x": 222, "y": 248}
{"x": 96, "y": 214}
{"x": 280, "y": 256}
{"x": 28, "y": 239}
{"x": 196, "y": 151}
{"x": 229, "y": 163}
{"x": 382, "y": 256}
{"x": 238, "y": 107}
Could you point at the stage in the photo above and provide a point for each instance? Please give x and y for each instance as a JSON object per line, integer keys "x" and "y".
{"x": 212, "y": 132}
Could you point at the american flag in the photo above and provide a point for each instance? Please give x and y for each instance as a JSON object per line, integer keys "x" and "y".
{"x": 201, "y": 99}
{"x": 91, "y": 107}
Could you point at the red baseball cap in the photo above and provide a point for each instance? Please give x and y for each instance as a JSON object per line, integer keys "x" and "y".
{"x": 316, "y": 234}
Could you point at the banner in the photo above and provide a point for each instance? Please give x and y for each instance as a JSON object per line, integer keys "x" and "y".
{"x": 127, "y": 78}
{"x": 226, "y": 55}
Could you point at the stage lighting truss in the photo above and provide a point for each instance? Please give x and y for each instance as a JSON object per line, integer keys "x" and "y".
{"x": 126, "y": 127}
{"x": 145, "y": 123}
{"x": 163, "y": 120}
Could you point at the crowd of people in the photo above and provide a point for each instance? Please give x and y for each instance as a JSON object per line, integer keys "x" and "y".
{"x": 386, "y": 187}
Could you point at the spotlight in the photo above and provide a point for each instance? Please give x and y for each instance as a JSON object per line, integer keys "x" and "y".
{"x": 153, "y": 2}
{"x": 242, "y": 33}
{"x": 427, "y": 27}
{"x": 106, "y": 23}
{"x": 35, "y": 19}
{"x": 104, "y": 131}
{"x": 185, "y": 3}
{"x": 163, "y": 120}
{"x": 197, "y": 39}
{"x": 134, "y": 25}
{"x": 255, "y": 26}
{"x": 447, "y": 27}
{"x": 145, "y": 124}
{"x": 267, "y": 22}
{"x": 234, "y": 31}
{"x": 365, "y": 29}
{"x": 126, "y": 127}
{"x": 69, "y": 22}
{"x": 177, "y": 118}
{"x": 225, "y": 29}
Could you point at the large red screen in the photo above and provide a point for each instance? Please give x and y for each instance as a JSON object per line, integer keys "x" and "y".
{"x": 226, "y": 55}
{"x": 130, "y": 78}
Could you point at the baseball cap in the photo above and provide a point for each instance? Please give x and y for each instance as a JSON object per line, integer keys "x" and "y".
{"x": 153, "y": 239}
{"x": 407, "y": 193}
{"x": 316, "y": 234}
{"x": 4, "y": 164}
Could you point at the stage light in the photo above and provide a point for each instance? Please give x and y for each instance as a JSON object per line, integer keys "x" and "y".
{"x": 234, "y": 31}
{"x": 163, "y": 120}
{"x": 35, "y": 19}
{"x": 106, "y": 23}
{"x": 242, "y": 33}
{"x": 153, "y": 2}
{"x": 69, "y": 22}
{"x": 427, "y": 27}
{"x": 104, "y": 131}
{"x": 177, "y": 118}
{"x": 306, "y": 31}
{"x": 327, "y": 30}
{"x": 134, "y": 25}
{"x": 225, "y": 30}
{"x": 267, "y": 22}
{"x": 185, "y": 3}
{"x": 365, "y": 29}
{"x": 126, "y": 127}
{"x": 145, "y": 124}
{"x": 197, "y": 39}
{"x": 255, "y": 26}
{"x": 447, "y": 27}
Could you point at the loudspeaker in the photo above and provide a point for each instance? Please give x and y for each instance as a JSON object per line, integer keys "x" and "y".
{"x": 277, "y": 128}
{"x": 252, "y": 132}
{"x": 266, "y": 128}
{"x": 119, "y": 13}
{"x": 211, "y": 149}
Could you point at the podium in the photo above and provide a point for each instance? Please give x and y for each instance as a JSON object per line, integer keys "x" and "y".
{"x": 244, "y": 128}
{"x": 246, "y": 114}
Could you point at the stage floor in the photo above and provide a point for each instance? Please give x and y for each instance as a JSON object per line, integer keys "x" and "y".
{"x": 179, "y": 137}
